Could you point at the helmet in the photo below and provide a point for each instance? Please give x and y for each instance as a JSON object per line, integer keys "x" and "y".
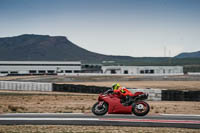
{"x": 115, "y": 86}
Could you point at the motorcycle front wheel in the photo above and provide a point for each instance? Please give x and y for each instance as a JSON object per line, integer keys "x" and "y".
{"x": 100, "y": 108}
{"x": 140, "y": 108}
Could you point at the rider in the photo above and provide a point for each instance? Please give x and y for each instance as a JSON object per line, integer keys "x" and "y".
{"x": 122, "y": 91}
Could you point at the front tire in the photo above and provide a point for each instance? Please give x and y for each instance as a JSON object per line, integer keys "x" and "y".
{"x": 140, "y": 108}
{"x": 100, "y": 110}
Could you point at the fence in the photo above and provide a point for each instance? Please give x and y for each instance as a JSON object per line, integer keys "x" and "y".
{"x": 26, "y": 86}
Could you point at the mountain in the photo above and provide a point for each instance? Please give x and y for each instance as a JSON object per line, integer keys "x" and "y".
{"x": 189, "y": 55}
{"x": 30, "y": 47}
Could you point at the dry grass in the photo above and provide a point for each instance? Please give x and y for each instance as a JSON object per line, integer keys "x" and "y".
{"x": 49, "y": 102}
{"x": 90, "y": 129}
{"x": 14, "y": 102}
{"x": 173, "y": 85}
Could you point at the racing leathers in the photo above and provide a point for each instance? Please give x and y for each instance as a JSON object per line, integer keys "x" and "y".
{"x": 124, "y": 94}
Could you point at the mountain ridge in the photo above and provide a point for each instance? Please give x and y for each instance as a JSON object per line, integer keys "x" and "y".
{"x": 31, "y": 47}
{"x": 189, "y": 55}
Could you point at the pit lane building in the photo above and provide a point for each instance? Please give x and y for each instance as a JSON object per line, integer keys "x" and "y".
{"x": 39, "y": 67}
{"x": 75, "y": 67}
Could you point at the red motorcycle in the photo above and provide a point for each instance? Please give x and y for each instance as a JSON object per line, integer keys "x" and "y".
{"x": 111, "y": 103}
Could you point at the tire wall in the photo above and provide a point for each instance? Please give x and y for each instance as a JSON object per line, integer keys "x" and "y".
{"x": 175, "y": 95}
{"x": 79, "y": 88}
{"x": 154, "y": 94}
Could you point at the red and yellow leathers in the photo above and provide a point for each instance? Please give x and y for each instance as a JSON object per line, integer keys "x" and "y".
{"x": 123, "y": 91}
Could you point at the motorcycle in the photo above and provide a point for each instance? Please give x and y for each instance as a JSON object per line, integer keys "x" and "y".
{"x": 111, "y": 103}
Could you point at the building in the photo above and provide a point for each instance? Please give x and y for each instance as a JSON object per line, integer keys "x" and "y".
{"x": 143, "y": 70}
{"x": 39, "y": 67}
{"x": 91, "y": 68}
{"x": 73, "y": 67}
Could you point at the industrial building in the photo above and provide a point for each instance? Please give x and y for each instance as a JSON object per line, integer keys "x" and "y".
{"x": 143, "y": 70}
{"x": 39, "y": 67}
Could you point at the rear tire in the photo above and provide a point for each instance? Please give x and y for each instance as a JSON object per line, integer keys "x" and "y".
{"x": 100, "y": 110}
{"x": 140, "y": 108}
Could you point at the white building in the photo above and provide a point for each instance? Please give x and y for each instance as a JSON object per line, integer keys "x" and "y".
{"x": 39, "y": 67}
{"x": 143, "y": 70}
{"x": 71, "y": 67}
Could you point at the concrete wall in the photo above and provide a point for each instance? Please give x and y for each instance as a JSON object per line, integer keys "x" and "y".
{"x": 26, "y": 86}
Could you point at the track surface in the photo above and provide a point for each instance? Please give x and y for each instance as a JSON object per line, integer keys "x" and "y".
{"x": 180, "y": 121}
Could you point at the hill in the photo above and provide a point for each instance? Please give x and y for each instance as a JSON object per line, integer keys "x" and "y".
{"x": 31, "y": 47}
{"x": 189, "y": 55}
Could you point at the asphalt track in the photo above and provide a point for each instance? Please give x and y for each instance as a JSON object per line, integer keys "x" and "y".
{"x": 178, "y": 121}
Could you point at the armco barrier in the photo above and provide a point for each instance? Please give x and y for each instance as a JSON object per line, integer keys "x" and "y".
{"x": 26, "y": 86}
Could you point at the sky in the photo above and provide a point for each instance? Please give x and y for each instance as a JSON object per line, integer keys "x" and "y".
{"x": 138, "y": 28}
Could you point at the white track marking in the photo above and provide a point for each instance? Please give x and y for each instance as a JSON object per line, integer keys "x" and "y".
{"x": 102, "y": 119}
{"x": 181, "y": 115}
{"x": 50, "y": 119}
{"x": 42, "y": 114}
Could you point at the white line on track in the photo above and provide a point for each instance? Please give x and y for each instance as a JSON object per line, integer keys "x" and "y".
{"x": 42, "y": 114}
{"x": 181, "y": 115}
{"x": 102, "y": 119}
{"x": 50, "y": 119}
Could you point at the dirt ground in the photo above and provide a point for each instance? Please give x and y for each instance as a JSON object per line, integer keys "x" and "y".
{"x": 62, "y": 102}
{"x": 90, "y": 129}
{"x": 56, "y": 102}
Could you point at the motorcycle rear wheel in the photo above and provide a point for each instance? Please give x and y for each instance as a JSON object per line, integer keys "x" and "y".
{"x": 97, "y": 110}
{"x": 140, "y": 108}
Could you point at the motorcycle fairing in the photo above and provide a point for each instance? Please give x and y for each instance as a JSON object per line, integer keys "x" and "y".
{"x": 115, "y": 106}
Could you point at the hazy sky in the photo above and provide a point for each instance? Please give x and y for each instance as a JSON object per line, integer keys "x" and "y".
{"x": 118, "y": 27}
